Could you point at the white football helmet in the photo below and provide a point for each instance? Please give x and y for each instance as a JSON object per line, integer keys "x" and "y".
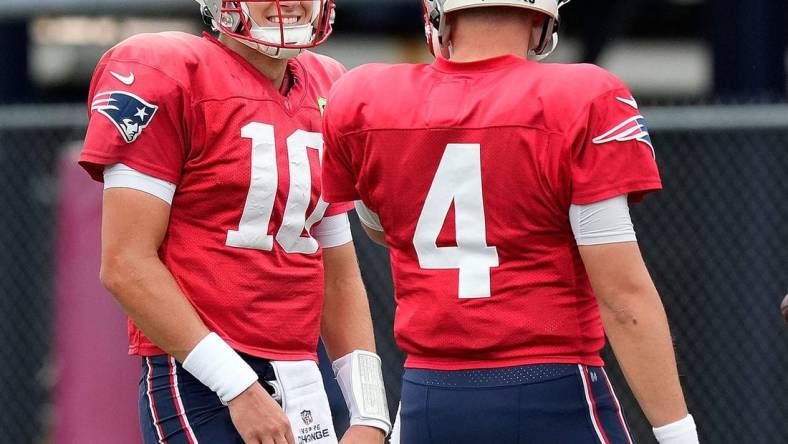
{"x": 284, "y": 41}
{"x": 437, "y": 31}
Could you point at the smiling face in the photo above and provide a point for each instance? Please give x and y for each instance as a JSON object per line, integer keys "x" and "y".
{"x": 294, "y": 13}
{"x": 280, "y": 29}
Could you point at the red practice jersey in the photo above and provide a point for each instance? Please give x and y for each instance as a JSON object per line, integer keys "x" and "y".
{"x": 246, "y": 162}
{"x": 472, "y": 168}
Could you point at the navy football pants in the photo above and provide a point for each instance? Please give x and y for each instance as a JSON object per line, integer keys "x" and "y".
{"x": 176, "y": 400}
{"x": 533, "y": 404}
{"x": 176, "y": 408}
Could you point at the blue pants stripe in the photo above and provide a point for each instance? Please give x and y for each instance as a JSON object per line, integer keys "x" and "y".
{"x": 152, "y": 432}
{"x": 161, "y": 390}
{"x": 609, "y": 409}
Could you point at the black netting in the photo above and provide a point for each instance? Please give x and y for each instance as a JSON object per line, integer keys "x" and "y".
{"x": 28, "y": 160}
{"x": 716, "y": 241}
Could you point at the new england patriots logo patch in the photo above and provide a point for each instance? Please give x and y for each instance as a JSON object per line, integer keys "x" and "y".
{"x": 130, "y": 114}
{"x": 634, "y": 128}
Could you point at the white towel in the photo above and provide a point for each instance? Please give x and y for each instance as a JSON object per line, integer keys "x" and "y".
{"x": 304, "y": 401}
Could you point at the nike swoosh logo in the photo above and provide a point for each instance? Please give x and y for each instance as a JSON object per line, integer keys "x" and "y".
{"x": 126, "y": 80}
{"x": 631, "y": 101}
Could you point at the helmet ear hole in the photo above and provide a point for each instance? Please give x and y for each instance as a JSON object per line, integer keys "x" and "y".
{"x": 231, "y": 20}
{"x": 435, "y": 18}
{"x": 230, "y": 16}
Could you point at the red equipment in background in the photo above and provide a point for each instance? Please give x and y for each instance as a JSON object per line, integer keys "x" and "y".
{"x": 95, "y": 398}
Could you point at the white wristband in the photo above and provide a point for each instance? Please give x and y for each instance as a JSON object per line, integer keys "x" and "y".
{"x": 219, "y": 367}
{"x": 361, "y": 380}
{"x": 682, "y": 431}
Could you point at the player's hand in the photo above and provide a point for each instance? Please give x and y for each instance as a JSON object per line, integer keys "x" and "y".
{"x": 259, "y": 419}
{"x": 359, "y": 434}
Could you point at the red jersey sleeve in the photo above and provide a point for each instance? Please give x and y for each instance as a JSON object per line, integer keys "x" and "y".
{"x": 339, "y": 178}
{"x": 136, "y": 117}
{"x": 612, "y": 153}
{"x": 338, "y": 208}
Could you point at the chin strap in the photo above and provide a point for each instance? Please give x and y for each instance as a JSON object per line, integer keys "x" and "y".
{"x": 270, "y": 51}
{"x": 532, "y": 55}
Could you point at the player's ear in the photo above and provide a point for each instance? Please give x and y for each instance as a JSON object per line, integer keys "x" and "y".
{"x": 537, "y": 19}
{"x": 537, "y": 28}
{"x": 442, "y": 40}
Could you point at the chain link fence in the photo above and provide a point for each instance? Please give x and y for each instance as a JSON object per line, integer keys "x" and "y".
{"x": 716, "y": 241}
{"x": 29, "y": 149}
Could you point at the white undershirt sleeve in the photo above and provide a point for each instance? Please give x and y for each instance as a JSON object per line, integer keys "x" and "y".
{"x": 123, "y": 176}
{"x": 333, "y": 231}
{"x": 368, "y": 217}
{"x": 604, "y": 222}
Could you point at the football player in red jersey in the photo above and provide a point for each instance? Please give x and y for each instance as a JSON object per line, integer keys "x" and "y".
{"x": 501, "y": 187}
{"x": 215, "y": 238}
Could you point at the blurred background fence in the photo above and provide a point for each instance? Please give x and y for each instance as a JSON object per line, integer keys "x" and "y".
{"x": 715, "y": 240}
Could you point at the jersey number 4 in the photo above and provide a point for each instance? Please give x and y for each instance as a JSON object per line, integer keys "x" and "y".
{"x": 253, "y": 229}
{"x": 458, "y": 180}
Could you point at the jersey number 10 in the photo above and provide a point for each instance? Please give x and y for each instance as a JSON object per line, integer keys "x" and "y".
{"x": 458, "y": 180}
{"x": 253, "y": 229}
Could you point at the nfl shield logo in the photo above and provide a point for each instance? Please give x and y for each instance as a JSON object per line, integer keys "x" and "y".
{"x": 306, "y": 416}
{"x": 130, "y": 114}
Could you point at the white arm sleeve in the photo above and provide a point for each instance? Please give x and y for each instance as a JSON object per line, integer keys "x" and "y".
{"x": 333, "y": 231}
{"x": 604, "y": 222}
{"x": 123, "y": 176}
{"x": 368, "y": 217}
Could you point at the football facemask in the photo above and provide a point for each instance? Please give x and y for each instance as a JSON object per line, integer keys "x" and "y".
{"x": 438, "y": 34}
{"x": 276, "y": 28}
